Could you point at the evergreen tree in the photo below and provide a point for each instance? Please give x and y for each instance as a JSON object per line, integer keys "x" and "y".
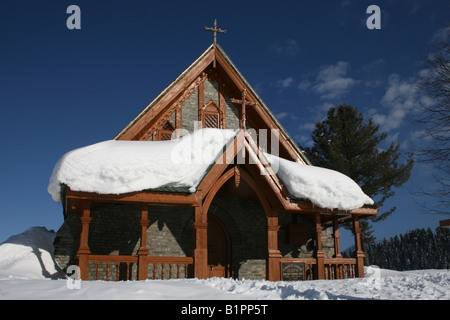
{"x": 415, "y": 250}
{"x": 346, "y": 143}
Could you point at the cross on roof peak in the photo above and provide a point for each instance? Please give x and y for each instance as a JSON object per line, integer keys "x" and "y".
{"x": 214, "y": 29}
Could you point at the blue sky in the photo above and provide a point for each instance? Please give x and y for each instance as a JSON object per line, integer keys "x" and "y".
{"x": 61, "y": 89}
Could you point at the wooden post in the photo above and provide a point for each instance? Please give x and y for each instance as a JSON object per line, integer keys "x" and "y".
{"x": 359, "y": 253}
{"x": 273, "y": 268}
{"x": 201, "y": 245}
{"x": 337, "y": 235}
{"x": 143, "y": 250}
{"x": 320, "y": 255}
{"x": 83, "y": 250}
{"x": 201, "y": 103}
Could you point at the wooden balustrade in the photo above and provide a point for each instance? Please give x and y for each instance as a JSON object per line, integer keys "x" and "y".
{"x": 169, "y": 267}
{"x": 117, "y": 268}
{"x": 340, "y": 268}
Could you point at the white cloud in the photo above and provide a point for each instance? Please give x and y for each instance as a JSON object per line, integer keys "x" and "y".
{"x": 281, "y": 115}
{"x": 285, "y": 83}
{"x": 304, "y": 84}
{"x": 288, "y": 47}
{"x": 441, "y": 36}
{"x": 400, "y": 99}
{"x": 332, "y": 81}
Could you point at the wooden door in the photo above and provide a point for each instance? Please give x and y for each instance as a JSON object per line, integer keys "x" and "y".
{"x": 218, "y": 248}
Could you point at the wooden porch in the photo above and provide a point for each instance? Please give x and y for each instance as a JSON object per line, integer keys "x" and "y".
{"x": 144, "y": 266}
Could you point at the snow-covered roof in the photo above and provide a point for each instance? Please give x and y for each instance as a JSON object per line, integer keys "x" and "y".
{"x": 117, "y": 167}
{"x": 323, "y": 187}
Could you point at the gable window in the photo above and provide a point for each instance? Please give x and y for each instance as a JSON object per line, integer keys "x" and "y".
{"x": 211, "y": 115}
{"x": 165, "y": 133}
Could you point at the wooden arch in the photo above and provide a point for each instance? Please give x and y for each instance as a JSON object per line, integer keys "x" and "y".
{"x": 242, "y": 175}
{"x": 201, "y": 225}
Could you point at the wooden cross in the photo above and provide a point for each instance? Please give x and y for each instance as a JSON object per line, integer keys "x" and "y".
{"x": 243, "y": 103}
{"x": 215, "y": 30}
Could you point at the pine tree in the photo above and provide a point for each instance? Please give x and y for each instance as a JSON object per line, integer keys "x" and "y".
{"x": 346, "y": 143}
{"x": 417, "y": 249}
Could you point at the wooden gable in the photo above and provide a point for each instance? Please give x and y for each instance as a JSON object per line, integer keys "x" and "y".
{"x": 202, "y": 97}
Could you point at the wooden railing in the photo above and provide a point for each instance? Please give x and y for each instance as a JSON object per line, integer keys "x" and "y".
{"x": 308, "y": 272}
{"x": 168, "y": 267}
{"x": 112, "y": 267}
{"x": 124, "y": 268}
{"x": 340, "y": 268}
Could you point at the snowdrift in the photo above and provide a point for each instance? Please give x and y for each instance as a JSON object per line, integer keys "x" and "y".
{"x": 29, "y": 255}
{"x": 27, "y": 267}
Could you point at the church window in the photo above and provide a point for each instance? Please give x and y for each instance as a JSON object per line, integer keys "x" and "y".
{"x": 211, "y": 116}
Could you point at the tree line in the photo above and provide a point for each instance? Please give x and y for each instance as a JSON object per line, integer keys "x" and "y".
{"x": 417, "y": 249}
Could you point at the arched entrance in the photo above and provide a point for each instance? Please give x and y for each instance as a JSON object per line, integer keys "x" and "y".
{"x": 219, "y": 248}
{"x": 269, "y": 241}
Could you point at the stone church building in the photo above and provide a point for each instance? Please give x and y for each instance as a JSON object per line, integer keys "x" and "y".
{"x": 241, "y": 220}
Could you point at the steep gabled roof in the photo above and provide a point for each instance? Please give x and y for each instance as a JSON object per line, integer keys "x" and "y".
{"x": 184, "y": 85}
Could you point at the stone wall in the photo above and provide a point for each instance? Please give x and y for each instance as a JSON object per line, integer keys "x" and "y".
{"x": 189, "y": 109}
{"x": 67, "y": 241}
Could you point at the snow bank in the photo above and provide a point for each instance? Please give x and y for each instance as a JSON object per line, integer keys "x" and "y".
{"x": 323, "y": 187}
{"x": 29, "y": 255}
{"x": 115, "y": 167}
{"x": 23, "y": 276}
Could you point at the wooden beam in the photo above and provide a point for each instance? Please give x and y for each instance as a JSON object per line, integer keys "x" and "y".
{"x": 308, "y": 207}
{"x": 182, "y": 199}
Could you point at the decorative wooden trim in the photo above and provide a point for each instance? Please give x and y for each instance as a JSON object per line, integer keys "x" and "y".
{"x": 175, "y": 199}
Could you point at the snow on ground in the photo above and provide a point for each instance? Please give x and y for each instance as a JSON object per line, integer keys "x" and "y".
{"x": 27, "y": 267}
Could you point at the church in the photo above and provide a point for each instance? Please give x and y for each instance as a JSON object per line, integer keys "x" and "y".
{"x": 205, "y": 182}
